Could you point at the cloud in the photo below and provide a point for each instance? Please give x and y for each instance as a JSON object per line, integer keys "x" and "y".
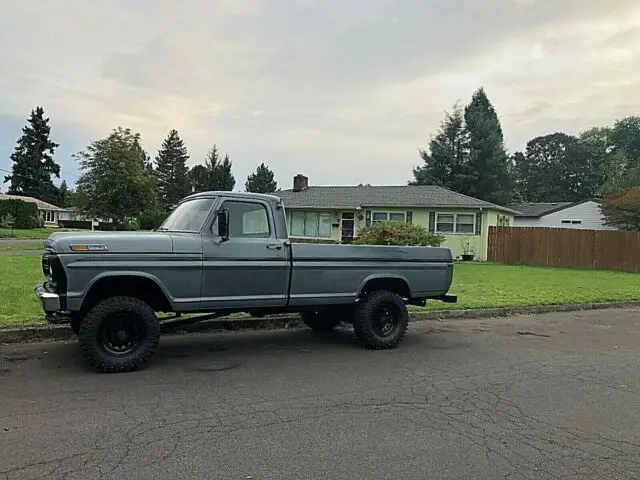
{"x": 346, "y": 92}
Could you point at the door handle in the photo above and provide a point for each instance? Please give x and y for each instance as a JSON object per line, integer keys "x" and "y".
{"x": 274, "y": 246}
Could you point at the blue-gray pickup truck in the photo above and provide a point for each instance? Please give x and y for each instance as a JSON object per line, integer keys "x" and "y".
{"x": 219, "y": 253}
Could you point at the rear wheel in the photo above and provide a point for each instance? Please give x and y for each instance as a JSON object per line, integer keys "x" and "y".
{"x": 322, "y": 321}
{"x": 119, "y": 334}
{"x": 380, "y": 320}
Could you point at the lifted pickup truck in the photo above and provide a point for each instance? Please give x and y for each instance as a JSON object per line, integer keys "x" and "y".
{"x": 219, "y": 253}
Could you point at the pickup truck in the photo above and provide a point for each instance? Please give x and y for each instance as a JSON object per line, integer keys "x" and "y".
{"x": 219, "y": 253}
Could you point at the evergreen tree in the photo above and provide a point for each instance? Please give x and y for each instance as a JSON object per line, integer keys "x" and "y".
{"x": 262, "y": 181}
{"x": 214, "y": 175}
{"x": 446, "y": 160}
{"x": 33, "y": 164}
{"x": 115, "y": 181}
{"x": 488, "y": 173}
{"x": 171, "y": 171}
{"x": 64, "y": 196}
{"x": 223, "y": 176}
{"x": 211, "y": 163}
{"x": 198, "y": 178}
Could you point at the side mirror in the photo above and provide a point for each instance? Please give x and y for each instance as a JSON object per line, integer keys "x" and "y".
{"x": 222, "y": 217}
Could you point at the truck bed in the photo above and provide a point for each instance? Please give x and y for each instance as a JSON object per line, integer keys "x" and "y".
{"x": 329, "y": 274}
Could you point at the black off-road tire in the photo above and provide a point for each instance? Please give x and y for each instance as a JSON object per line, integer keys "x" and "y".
{"x": 367, "y": 320}
{"x": 322, "y": 321}
{"x": 129, "y": 311}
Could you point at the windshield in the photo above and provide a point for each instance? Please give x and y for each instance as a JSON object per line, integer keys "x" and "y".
{"x": 188, "y": 216}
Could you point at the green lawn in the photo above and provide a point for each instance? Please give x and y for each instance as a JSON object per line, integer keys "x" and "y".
{"x": 19, "y": 247}
{"x": 477, "y": 285}
{"x": 486, "y": 285}
{"x": 35, "y": 233}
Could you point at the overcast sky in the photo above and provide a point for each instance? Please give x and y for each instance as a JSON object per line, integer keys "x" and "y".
{"x": 344, "y": 91}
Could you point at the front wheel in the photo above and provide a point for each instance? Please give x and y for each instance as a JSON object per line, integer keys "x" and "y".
{"x": 380, "y": 320}
{"x": 119, "y": 334}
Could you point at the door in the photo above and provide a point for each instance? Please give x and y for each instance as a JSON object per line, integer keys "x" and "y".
{"x": 347, "y": 227}
{"x": 251, "y": 268}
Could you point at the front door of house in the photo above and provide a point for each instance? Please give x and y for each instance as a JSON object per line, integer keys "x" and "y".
{"x": 347, "y": 227}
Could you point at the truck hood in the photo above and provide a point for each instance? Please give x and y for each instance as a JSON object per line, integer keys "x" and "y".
{"x": 111, "y": 242}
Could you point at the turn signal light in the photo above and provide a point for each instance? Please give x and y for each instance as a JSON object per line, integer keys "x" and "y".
{"x": 88, "y": 248}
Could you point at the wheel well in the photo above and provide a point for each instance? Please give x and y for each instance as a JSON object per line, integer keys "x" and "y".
{"x": 143, "y": 288}
{"x": 395, "y": 285}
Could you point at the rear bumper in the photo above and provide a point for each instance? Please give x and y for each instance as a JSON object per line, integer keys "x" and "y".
{"x": 49, "y": 300}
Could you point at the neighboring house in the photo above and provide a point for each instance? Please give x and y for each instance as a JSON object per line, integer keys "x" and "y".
{"x": 581, "y": 215}
{"x": 48, "y": 212}
{"x": 72, "y": 214}
{"x": 333, "y": 214}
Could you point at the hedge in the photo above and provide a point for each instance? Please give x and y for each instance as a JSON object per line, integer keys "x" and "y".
{"x": 25, "y": 214}
{"x": 79, "y": 224}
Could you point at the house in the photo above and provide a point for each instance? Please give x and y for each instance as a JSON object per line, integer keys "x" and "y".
{"x": 335, "y": 214}
{"x": 581, "y": 215}
{"x": 48, "y": 212}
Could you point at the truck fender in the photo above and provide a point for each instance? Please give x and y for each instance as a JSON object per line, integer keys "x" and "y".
{"x": 393, "y": 283}
{"x": 127, "y": 273}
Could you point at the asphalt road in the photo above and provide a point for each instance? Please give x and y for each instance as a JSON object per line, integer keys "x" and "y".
{"x": 530, "y": 397}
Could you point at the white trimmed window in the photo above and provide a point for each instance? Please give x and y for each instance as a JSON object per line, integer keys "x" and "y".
{"x": 456, "y": 223}
{"x": 49, "y": 216}
{"x": 391, "y": 216}
{"x": 310, "y": 224}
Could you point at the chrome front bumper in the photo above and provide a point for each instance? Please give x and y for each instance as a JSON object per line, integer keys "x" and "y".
{"x": 50, "y": 301}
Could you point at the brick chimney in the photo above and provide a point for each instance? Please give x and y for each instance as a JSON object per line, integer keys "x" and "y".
{"x": 300, "y": 182}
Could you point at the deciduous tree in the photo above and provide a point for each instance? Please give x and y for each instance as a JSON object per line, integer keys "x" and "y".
{"x": 553, "y": 169}
{"x": 622, "y": 209}
{"x": 115, "y": 182}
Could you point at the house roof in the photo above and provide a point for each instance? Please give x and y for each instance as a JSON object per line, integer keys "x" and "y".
{"x": 540, "y": 209}
{"x": 40, "y": 204}
{"x": 399, "y": 196}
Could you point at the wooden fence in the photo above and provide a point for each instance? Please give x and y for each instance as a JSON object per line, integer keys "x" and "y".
{"x": 565, "y": 247}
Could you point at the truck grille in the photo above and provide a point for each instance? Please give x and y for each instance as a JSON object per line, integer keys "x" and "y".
{"x": 46, "y": 266}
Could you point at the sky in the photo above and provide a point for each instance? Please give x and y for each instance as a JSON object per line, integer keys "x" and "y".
{"x": 345, "y": 92}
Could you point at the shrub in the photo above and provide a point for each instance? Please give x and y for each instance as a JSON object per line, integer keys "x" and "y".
{"x": 25, "y": 214}
{"x": 6, "y": 220}
{"x": 398, "y": 233}
{"x": 76, "y": 224}
{"x": 151, "y": 220}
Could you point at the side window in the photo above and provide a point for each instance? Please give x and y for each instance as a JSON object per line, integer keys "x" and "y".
{"x": 247, "y": 219}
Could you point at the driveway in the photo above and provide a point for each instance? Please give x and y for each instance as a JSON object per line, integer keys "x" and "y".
{"x": 529, "y": 397}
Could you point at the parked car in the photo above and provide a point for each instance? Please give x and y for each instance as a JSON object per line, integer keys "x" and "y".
{"x": 218, "y": 253}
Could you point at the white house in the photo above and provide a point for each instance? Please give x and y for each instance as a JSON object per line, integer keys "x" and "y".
{"x": 48, "y": 212}
{"x": 582, "y": 215}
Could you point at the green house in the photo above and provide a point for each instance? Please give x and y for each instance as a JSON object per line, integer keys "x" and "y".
{"x": 335, "y": 214}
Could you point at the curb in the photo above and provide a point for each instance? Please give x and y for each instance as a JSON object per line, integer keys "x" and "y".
{"x": 63, "y": 332}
